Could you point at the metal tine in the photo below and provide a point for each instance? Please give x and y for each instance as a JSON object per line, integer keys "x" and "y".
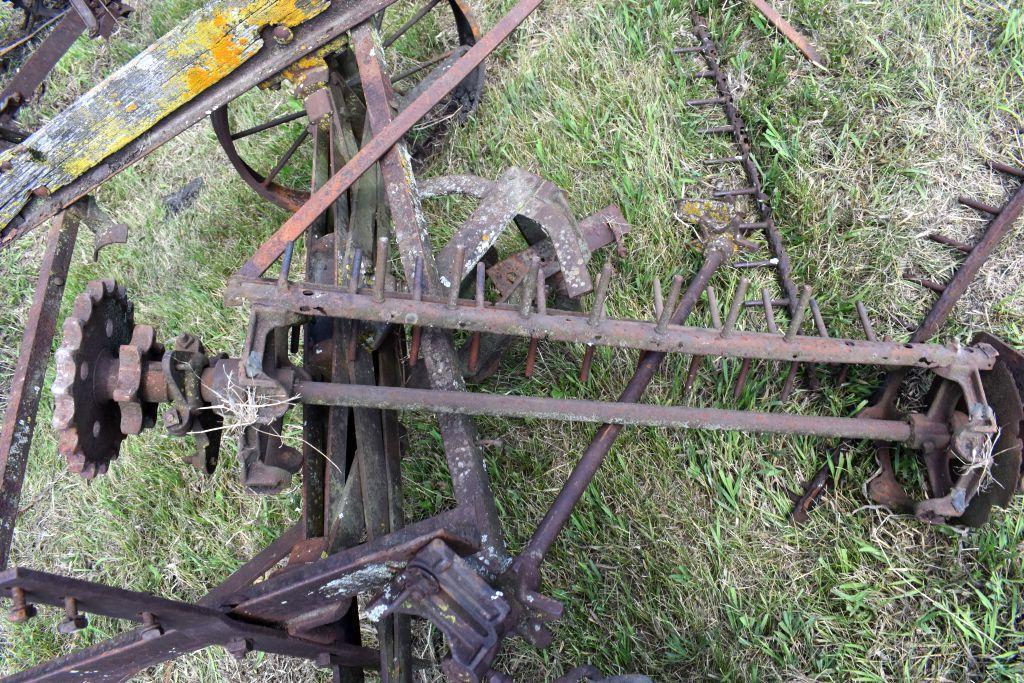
{"x": 759, "y": 225}
{"x": 542, "y": 309}
{"x": 417, "y": 295}
{"x": 769, "y": 311}
{"x": 865, "y": 322}
{"x": 819, "y": 321}
{"x": 380, "y": 270}
{"x": 455, "y": 276}
{"x": 979, "y": 206}
{"x": 596, "y": 314}
{"x": 771, "y": 262}
{"x": 738, "y": 192}
{"x": 801, "y": 312}
{"x": 670, "y": 306}
{"x": 659, "y": 302}
{"x": 534, "y": 289}
{"x": 353, "y": 288}
{"x": 794, "y": 329}
{"x": 950, "y": 242}
{"x": 723, "y": 160}
{"x": 926, "y": 283}
{"x": 1008, "y": 170}
{"x": 769, "y": 314}
{"x": 588, "y": 358}
{"x": 286, "y": 266}
{"x": 357, "y": 264}
{"x": 474, "y": 341}
{"x": 735, "y": 308}
{"x": 530, "y": 289}
{"x": 697, "y": 361}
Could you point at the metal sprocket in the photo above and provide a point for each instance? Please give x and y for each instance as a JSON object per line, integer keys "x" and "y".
{"x": 87, "y": 418}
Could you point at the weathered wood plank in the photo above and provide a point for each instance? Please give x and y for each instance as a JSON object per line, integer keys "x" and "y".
{"x": 196, "y": 54}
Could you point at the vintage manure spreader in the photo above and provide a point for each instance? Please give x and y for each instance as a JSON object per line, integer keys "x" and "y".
{"x": 356, "y": 317}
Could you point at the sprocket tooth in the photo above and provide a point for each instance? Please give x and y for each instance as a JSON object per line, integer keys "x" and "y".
{"x": 89, "y": 422}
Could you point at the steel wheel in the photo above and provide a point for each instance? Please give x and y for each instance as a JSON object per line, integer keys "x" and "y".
{"x": 420, "y": 41}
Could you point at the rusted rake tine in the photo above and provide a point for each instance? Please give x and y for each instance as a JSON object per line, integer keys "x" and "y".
{"x": 380, "y": 270}
{"x": 1008, "y": 170}
{"x": 934, "y": 286}
{"x": 474, "y": 341}
{"x": 286, "y": 265}
{"x": 670, "y": 306}
{"x": 659, "y": 301}
{"x": 697, "y": 361}
{"x": 865, "y": 322}
{"x": 353, "y": 288}
{"x": 981, "y": 207}
{"x": 769, "y": 314}
{"x": 794, "y": 329}
{"x": 534, "y": 280}
{"x": 413, "y": 20}
{"x": 596, "y": 315}
{"x": 735, "y": 308}
{"x": 289, "y": 153}
{"x": 417, "y": 295}
{"x": 950, "y": 242}
{"x": 455, "y": 277}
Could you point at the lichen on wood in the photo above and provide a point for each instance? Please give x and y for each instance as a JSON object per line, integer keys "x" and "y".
{"x": 201, "y": 51}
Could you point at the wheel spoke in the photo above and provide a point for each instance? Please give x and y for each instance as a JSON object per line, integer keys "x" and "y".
{"x": 287, "y": 157}
{"x": 287, "y": 118}
{"x": 415, "y": 19}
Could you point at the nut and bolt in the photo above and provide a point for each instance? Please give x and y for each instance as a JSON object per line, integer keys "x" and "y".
{"x": 282, "y": 35}
{"x": 22, "y": 611}
{"x": 73, "y": 621}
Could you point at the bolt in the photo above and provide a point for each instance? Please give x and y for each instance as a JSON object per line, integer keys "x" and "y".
{"x": 239, "y": 648}
{"x": 151, "y": 628}
{"x": 6, "y": 165}
{"x": 282, "y": 35}
{"x": 41, "y": 191}
{"x": 22, "y": 611}
{"x": 72, "y": 621}
{"x": 56, "y": 281}
{"x": 171, "y": 418}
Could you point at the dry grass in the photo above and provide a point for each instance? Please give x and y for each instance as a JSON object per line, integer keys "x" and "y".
{"x": 680, "y": 561}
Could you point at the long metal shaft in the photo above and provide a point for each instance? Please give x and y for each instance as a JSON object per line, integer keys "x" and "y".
{"x": 573, "y": 327}
{"x": 607, "y": 412}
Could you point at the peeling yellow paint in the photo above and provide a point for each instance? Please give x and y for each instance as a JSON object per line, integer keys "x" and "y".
{"x": 196, "y": 55}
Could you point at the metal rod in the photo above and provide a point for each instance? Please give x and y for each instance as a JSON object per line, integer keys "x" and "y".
{"x": 455, "y": 276}
{"x": 670, "y": 307}
{"x": 978, "y": 206}
{"x": 287, "y": 118}
{"x": 606, "y": 412}
{"x": 380, "y": 270}
{"x": 735, "y": 308}
{"x": 769, "y": 312}
{"x": 865, "y": 322}
{"x": 574, "y": 327}
{"x": 286, "y": 158}
{"x": 400, "y": 31}
{"x": 798, "y": 317}
{"x": 597, "y": 312}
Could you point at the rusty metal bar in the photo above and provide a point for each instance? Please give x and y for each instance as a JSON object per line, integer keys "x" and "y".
{"x": 605, "y": 412}
{"x": 385, "y": 139}
{"x": 26, "y": 386}
{"x": 574, "y": 327}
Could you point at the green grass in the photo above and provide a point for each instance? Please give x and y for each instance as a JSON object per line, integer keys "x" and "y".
{"x": 679, "y": 562}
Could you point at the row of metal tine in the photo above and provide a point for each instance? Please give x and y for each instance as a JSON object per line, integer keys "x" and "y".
{"x": 72, "y": 620}
{"x": 533, "y": 301}
{"x": 778, "y": 261}
{"x": 971, "y": 203}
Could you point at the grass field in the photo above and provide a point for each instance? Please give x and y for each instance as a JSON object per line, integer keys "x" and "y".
{"x": 680, "y": 562}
